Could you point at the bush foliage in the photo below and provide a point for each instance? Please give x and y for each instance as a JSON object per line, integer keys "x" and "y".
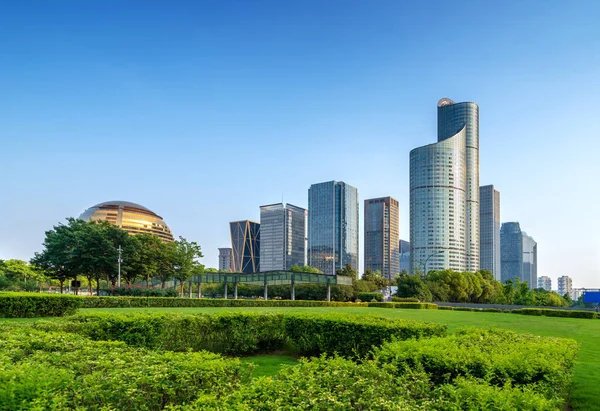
{"x": 558, "y": 313}
{"x": 370, "y": 296}
{"x": 31, "y": 305}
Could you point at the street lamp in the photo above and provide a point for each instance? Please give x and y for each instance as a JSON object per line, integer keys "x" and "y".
{"x": 427, "y": 259}
{"x": 120, "y": 260}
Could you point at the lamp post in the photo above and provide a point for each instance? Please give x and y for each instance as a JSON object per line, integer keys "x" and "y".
{"x": 431, "y": 255}
{"x": 120, "y": 260}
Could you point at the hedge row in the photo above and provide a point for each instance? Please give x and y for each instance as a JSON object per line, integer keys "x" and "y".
{"x": 370, "y": 297}
{"x": 420, "y": 306}
{"x": 127, "y": 302}
{"x": 405, "y": 300}
{"x": 31, "y": 305}
{"x": 558, "y": 313}
{"x": 497, "y": 357}
{"x": 246, "y": 333}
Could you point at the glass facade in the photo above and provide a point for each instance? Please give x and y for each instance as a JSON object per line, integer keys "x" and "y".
{"x": 404, "y": 256}
{"x": 518, "y": 254}
{"x": 332, "y": 226}
{"x": 382, "y": 235}
{"x": 489, "y": 230}
{"x": 131, "y": 217}
{"x": 245, "y": 244}
{"x": 282, "y": 237}
{"x": 444, "y": 193}
{"x": 225, "y": 259}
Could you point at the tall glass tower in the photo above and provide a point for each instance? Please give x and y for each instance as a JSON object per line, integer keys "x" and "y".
{"x": 489, "y": 230}
{"x": 282, "y": 237}
{"x": 245, "y": 244}
{"x": 519, "y": 254}
{"x": 332, "y": 226}
{"x": 382, "y": 236}
{"x": 444, "y": 193}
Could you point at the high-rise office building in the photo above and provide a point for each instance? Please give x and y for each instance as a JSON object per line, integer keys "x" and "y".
{"x": 544, "y": 282}
{"x": 225, "y": 259}
{"x": 282, "y": 237}
{"x": 332, "y": 226}
{"x": 404, "y": 256}
{"x": 444, "y": 193}
{"x": 565, "y": 286}
{"x": 245, "y": 244}
{"x": 518, "y": 254}
{"x": 381, "y": 236}
{"x": 489, "y": 230}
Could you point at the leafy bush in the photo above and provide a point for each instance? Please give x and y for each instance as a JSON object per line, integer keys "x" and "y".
{"x": 558, "y": 313}
{"x": 31, "y": 305}
{"x": 419, "y": 306}
{"x": 405, "y": 300}
{"x": 382, "y": 305}
{"x": 490, "y": 310}
{"x": 445, "y": 307}
{"x": 370, "y": 296}
{"x": 126, "y": 302}
{"x": 495, "y": 356}
{"x": 138, "y": 379}
{"x": 141, "y": 292}
{"x": 464, "y": 309}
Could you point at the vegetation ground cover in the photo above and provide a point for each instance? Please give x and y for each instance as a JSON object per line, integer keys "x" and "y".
{"x": 586, "y": 332}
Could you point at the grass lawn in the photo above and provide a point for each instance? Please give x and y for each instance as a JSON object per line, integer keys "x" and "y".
{"x": 269, "y": 365}
{"x": 586, "y": 332}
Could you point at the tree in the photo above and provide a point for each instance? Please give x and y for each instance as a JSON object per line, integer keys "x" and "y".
{"x": 186, "y": 254}
{"x": 305, "y": 269}
{"x": 348, "y": 271}
{"x": 376, "y": 278}
{"x": 166, "y": 255}
{"x": 144, "y": 260}
{"x": 412, "y": 286}
{"x": 19, "y": 270}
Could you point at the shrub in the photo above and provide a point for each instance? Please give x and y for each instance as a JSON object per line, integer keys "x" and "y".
{"x": 370, "y": 296}
{"x": 419, "y": 306}
{"x": 138, "y": 379}
{"x": 31, "y": 305}
{"x": 126, "y": 302}
{"x": 495, "y": 356}
{"x": 490, "y": 310}
{"x": 548, "y": 312}
{"x": 381, "y": 305}
{"x": 464, "y": 309}
{"x": 405, "y": 300}
{"x": 445, "y": 307}
{"x": 141, "y": 292}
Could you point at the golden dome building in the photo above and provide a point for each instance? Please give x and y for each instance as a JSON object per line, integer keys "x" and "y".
{"x": 131, "y": 217}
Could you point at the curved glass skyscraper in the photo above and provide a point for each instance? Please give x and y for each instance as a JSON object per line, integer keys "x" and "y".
{"x": 444, "y": 193}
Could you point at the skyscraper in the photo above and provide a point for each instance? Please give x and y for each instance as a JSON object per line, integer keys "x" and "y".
{"x": 518, "y": 254}
{"x": 282, "y": 236}
{"x": 245, "y": 242}
{"x": 332, "y": 226}
{"x": 382, "y": 234}
{"x": 404, "y": 256}
{"x": 444, "y": 193}
{"x": 489, "y": 230}
{"x": 565, "y": 285}
{"x": 225, "y": 259}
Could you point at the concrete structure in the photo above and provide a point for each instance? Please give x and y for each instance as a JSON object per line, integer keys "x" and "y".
{"x": 565, "y": 285}
{"x": 404, "y": 256}
{"x": 518, "y": 254}
{"x": 544, "y": 282}
{"x": 282, "y": 236}
{"x": 382, "y": 236}
{"x": 332, "y": 226}
{"x": 444, "y": 193}
{"x": 245, "y": 244}
{"x": 489, "y": 230}
{"x": 225, "y": 259}
{"x": 131, "y": 217}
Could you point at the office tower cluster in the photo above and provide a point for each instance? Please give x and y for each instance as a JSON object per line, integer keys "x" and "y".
{"x": 454, "y": 222}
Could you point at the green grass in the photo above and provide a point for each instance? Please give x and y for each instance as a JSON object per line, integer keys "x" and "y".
{"x": 586, "y": 332}
{"x": 269, "y": 365}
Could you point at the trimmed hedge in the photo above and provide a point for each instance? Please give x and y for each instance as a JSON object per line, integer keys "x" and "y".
{"x": 133, "y": 302}
{"x": 558, "y": 313}
{"x": 405, "y": 300}
{"x": 32, "y": 305}
{"x": 382, "y": 305}
{"x": 246, "y": 333}
{"x": 370, "y": 296}
{"x": 419, "y": 306}
{"x": 446, "y": 307}
{"x": 495, "y": 356}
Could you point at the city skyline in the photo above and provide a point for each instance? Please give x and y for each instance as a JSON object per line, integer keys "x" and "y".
{"x": 141, "y": 108}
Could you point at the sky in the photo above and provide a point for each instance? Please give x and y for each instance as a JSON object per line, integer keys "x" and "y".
{"x": 204, "y": 110}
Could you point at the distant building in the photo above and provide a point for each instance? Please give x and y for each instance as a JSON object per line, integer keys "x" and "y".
{"x": 245, "y": 244}
{"x": 444, "y": 193}
{"x": 565, "y": 285}
{"x": 332, "y": 226}
{"x": 489, "y": 230}
{"x": 225, "y": 259}
{"x": 381, "y": 236}
{"x": 404, "y": 256}
{"x": 544, "y": 282}
{"x": 518, "y": 254}
{"x": 282, "y": 237}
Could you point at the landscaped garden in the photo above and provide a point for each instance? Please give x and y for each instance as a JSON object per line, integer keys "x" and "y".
{"x": 349, "y": 356}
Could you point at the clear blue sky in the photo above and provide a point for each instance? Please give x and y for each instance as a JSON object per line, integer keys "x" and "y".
{"x": 204, "y": 110}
